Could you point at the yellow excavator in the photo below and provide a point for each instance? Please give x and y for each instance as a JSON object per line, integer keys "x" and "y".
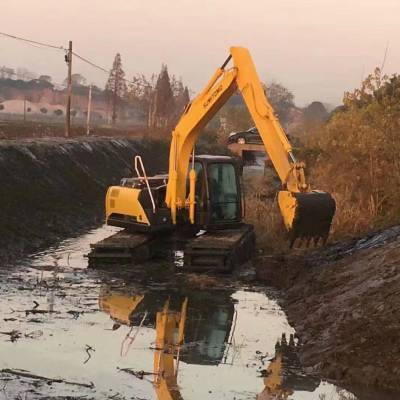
{"x": 205, "y": 192}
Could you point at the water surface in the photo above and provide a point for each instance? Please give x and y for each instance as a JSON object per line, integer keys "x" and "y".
{"x": 148, "y": 332}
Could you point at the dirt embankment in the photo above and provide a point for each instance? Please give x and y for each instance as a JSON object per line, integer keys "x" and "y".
{"x": 344, "y": 302}
{"x": 52, "y": 188}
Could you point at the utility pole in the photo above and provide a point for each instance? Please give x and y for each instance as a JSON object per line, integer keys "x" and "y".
{"x": 68, "y": 59}
{"x": 25, "y": 109}
{"x": 88, "y": 111}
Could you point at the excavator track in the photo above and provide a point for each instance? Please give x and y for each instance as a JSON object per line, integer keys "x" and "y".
{"x": 220, "y": 250}
{"x": 217, "y": 251}
{"x": 123, "y": 247}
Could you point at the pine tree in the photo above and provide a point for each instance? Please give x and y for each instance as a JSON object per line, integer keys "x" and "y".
{"x": 163, "y": 104}
{"x": 185, "y": 99}
{"x": 181, "y": 101}
{"x": 116, "y": 85}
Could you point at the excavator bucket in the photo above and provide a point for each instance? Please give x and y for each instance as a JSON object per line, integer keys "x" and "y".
{"x": 307, "y": 216}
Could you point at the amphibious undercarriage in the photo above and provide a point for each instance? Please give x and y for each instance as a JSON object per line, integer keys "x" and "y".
{"x": 219, "y": 250}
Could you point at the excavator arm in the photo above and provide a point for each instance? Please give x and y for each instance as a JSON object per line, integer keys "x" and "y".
{"x": 306, "y": 214}
{"x": 196, "y": 115}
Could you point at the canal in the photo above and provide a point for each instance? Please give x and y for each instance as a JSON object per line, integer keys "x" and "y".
{"x": 147, "y": 332}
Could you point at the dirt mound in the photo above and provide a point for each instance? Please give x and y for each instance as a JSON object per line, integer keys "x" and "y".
{"x": 344, "y": 302}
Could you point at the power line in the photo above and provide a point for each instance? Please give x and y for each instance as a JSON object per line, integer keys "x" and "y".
{"x": 107, "y": 71}
{"x": 91, "y": 63}
{"x": 32, "y": 41}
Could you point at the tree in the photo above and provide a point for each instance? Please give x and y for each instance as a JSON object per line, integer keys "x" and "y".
{"x": 232, "y": 119}
{"x": 315, "y": 112}
{"x": 137, "y": 87}
{"x": 282, "y": 100}
{"x": 116, "y": 85}
{"x": 151, "y": 96}
{"x": 176, "y": 86}
{"x": 77, "y": 80}
{"x": 6, "y": 73}
{"x": 141, "y": 93}
{"x": 45, "y": 78}
{"x": 185, "y": 97}
{"x": 163, "y": 103}
{"x": 25, "y": 74}
{"x": 181, "y": 99}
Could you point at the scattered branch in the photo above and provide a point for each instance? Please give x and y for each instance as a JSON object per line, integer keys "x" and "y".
{"x": 26, "y": 374}
{"x": 138, "y": 374}
{"x": 14, "y": 335}
{"x": 88, "y": 349}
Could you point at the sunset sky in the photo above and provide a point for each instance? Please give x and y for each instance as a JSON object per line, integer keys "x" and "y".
{"x": 317, "y": 48}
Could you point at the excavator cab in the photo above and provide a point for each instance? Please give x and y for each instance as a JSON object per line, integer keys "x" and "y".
{"x": 219, "y": 202}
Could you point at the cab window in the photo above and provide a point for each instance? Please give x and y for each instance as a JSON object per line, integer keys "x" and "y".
{"x": 223, "y": 192}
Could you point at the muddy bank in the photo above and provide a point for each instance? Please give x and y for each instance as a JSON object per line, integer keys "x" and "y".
{"x": 344, "y": 303}
{"x": 52, "y": 188}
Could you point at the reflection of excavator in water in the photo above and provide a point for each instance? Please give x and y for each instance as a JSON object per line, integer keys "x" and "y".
{"x": 170, "y": 330}
{"x": 208, "y": 195}
{"x": 209, "y": 326}
{"x": 284, "y": 373}
{"x": 173, "y": 329}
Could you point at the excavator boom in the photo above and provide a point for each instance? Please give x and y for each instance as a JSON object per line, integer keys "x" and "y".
{"x": 307, "y": 214}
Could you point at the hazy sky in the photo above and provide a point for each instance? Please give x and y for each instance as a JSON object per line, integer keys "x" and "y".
{"x": 317, "y": 48}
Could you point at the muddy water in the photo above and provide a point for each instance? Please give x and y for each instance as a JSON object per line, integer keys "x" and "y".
{"x": 149, "y": 333}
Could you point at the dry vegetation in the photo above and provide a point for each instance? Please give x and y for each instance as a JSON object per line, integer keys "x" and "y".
{"x": 262, "y": 211}
{"x": 355, "y": 156}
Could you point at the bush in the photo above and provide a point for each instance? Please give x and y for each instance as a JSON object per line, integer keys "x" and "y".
{"x": 355, "y": 157}
{"x": 58, "y": 112}
{"x": 1, "y": 107}
{"x": 43, "y": 110}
